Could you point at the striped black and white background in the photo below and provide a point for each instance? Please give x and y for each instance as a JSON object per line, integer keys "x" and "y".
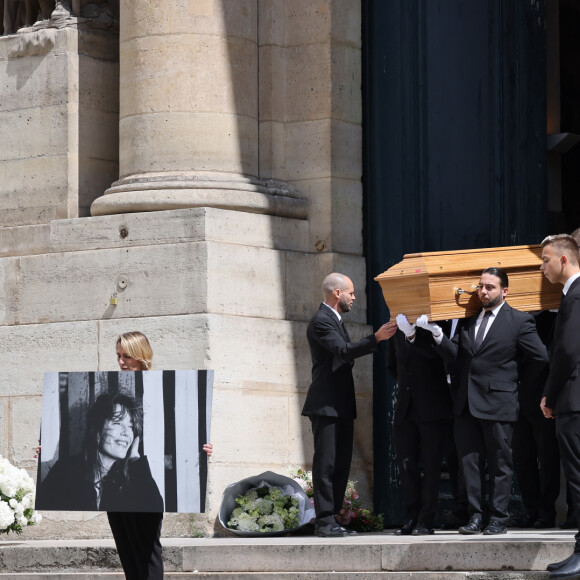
{"x": 176, "y": 424}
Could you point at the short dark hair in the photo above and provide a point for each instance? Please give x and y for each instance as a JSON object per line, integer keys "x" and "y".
{"x": 501, "y": 274}
{"x": 564, "y": 244}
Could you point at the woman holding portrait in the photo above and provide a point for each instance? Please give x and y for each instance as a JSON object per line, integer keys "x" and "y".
{"x": 111, "y": 475}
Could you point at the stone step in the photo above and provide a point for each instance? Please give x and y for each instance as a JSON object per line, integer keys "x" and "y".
{"x": 292, "y": 576}
{"x": 514, "y": 556}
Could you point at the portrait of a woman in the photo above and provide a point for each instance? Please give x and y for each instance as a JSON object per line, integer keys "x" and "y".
{"x": 109, "y": 474}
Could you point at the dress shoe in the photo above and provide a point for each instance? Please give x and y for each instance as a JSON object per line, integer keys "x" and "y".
{"x": 569, "y": 524}
{"x": 473, "y": 526}
{"x": 454, "y": 521}
{"x": 494, "y": 527}
{"x": 541, "y": 524}
{"x": 407, "y": 529}
{"x": 569, "y": 570}
{"x": 558, "y": 565}
{"x": 422, "y": 529}
{"x": 522, "y": 521}
{"x": 331, "y": 531}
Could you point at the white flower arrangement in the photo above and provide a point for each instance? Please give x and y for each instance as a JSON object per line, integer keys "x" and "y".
{"x": 265, "y": 509}
{"x": 17, "y": 493}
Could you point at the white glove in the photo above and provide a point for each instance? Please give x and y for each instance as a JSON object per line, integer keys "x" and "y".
{"x": 423, "y": 322}
{"x": 405, "y": 326}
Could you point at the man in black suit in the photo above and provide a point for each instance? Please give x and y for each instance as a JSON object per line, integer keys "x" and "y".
{"x": 561, "y": 264}
{"x": 484, "y": 356}
{"x": 330, "y": 402}
{"x": 422, "y": 422}
{"x": 535, "y": 448}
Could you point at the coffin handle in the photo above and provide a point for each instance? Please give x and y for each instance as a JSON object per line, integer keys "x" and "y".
{"x": 459, "y": 291}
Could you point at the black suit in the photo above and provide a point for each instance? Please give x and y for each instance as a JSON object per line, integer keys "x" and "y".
{"x": 422, "y": 421}
{"x": 331, "y": 406}
{"x": 563, "y": 390}
{"x": 535, "y": 448}
{"x": 485, "y": 400}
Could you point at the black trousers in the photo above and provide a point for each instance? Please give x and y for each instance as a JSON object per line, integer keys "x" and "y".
{"x": 137, "y": 537}
{"x": 333, "y": 442}
{"x": 568, "y": 433}
{"x": 537, "y": 463}
{"x": 456, "y": 478}
{"x": 480, "y": 442}
{"x": 419, "y": 447}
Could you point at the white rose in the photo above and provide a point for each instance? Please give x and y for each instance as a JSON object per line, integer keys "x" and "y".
{"x": 6, "y": 515}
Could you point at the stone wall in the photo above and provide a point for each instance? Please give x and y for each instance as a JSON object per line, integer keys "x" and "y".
{"x": 59, "y": 107}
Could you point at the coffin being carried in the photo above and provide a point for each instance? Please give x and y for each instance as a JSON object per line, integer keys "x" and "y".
{"x": 443, "y": 285}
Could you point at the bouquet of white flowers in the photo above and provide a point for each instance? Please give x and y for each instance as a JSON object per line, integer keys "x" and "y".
{"x": 267, "y": 504}
{"x": 265, "y": 509}
{"x": 17, "y": 494}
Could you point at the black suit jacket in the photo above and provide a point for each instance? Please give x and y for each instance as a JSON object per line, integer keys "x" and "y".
{"x": 563, "y": 387}
{"x": 331, "y": 392}
{"x": 532, "y": 383}
{"x": 487, "y": 380}
{"x": 421, "y": 377}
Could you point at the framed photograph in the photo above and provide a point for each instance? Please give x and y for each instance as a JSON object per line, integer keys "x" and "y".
{"x": 125, "y": 441}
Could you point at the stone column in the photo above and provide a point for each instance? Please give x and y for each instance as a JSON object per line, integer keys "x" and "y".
{"x": 189, "y": 111}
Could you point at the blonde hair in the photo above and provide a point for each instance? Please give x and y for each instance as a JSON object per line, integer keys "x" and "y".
{"x": 136, "y": 345}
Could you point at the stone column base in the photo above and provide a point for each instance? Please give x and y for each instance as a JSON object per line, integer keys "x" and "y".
{"x": 181, "y": 190}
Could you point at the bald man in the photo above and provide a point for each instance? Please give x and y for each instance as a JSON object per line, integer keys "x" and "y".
{"x": 330, "y": 403}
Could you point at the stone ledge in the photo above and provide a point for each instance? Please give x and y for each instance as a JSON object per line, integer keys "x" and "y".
{"x": 441, "y": 556}
{"x": 293, "y": 576}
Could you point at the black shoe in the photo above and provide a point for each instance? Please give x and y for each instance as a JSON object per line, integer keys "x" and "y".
{"x": 494, "y": 527}
{"x": 422, "y": 530}
{"x": 522, "y": 521}
{"x": 570, "y": 570}
{"x": 473, "y": 526}
{"x": 331, "y": 531}
{"x": 454, "y": 521}
{"x": 558, "y": 565}
{"x": 407, "y": 529}
{"x": 541, "y": 524}
{"x": 569, "y": 524}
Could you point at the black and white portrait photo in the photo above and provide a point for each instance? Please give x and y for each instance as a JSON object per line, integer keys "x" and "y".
{"x": 128, "y": 441}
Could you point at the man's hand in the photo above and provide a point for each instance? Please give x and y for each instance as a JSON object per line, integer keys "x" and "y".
{"x": 405, "y": 326}
{"x": 386, "y": 331}
{"x": 423, "y": 322}
{"x": 548, "y": 413}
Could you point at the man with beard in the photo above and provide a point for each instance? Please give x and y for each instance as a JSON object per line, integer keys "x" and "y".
{"x": 561, "y": 264}
{"x": 330, "y": 402}
{"x": 484, "y": 356}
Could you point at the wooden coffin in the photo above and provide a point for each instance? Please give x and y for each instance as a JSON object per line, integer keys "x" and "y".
{"x": 443, "y": 285}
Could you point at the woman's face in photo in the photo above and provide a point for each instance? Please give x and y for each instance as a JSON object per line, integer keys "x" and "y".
{"x": 117, "y": 434}
{"x": 126, "y": 363}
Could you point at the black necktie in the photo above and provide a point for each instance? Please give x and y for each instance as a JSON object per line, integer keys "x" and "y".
{"x": 481, "y": 330}
{"x": 344, "y": 331}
